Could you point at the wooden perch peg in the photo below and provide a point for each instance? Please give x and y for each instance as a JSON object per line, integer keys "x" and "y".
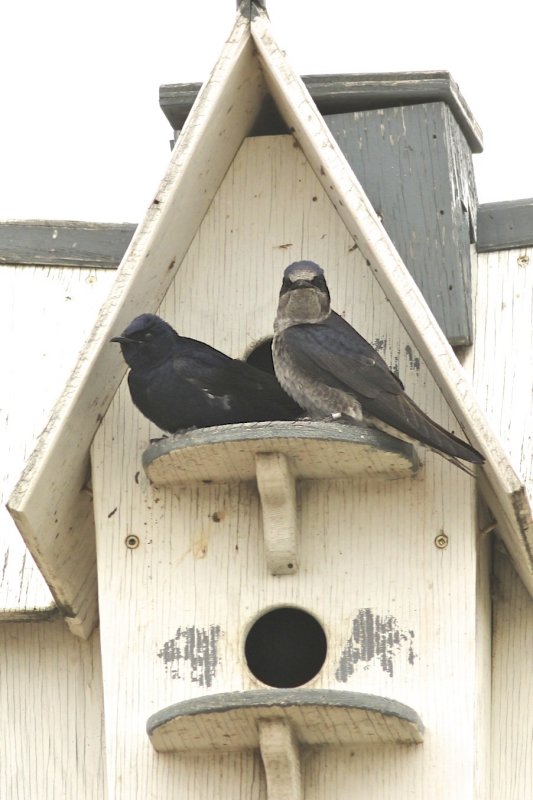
{"x": 277, "y": 490}
{"x": 281, "y": 759}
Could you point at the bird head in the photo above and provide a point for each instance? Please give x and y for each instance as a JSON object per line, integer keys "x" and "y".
{"x": 147, "y": 341}
{"x": 304, "y": 295}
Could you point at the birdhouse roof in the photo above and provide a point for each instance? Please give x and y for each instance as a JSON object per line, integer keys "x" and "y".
{"x": 337, "y": 94}
{"x": 51, "y": 504}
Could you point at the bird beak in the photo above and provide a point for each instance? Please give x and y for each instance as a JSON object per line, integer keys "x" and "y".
{"x": 302, "y": 284}
{"x": 121, "y": 339}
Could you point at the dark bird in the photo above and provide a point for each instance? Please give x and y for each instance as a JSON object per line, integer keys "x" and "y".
{"x": 328, "y": 368}
{"x": 181, "y": 383}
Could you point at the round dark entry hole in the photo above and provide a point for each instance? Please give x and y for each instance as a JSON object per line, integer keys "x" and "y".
{"x": 285, "y": 647}
{"x": 261, "y": 356}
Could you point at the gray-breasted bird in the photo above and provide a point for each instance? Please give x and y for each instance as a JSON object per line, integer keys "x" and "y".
{"x": 328, "y": 368}
{"x": 181, "y": 383}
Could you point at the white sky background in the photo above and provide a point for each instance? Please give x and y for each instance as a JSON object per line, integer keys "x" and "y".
{"x": 82, "y": 135}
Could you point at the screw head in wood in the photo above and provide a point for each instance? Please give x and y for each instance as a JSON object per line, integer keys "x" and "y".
{"x": 441, "y": 541}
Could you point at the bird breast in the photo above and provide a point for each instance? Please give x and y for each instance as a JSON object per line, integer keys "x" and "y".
{"x": 317, "y": 398}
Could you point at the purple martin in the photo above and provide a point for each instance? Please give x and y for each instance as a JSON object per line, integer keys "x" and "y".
{"x": 181, "y": 383}
{"x": 329, "y": 369}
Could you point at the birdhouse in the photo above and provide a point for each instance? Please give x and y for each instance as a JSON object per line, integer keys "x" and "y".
{"x": 288, "y": 609}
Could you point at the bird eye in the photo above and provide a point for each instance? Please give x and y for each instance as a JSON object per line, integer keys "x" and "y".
{"x": 286, "y": 285}
{"x": 148, "y": 335}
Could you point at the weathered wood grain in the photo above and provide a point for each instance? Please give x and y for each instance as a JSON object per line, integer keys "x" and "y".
{"x": 281, "y": 759}
{"x": 277, "y": 489}
{"x": 500, "y": 362}
{"x": 415, "y": 167}
{"x": 51, "y": 725}
{"x": 512, "y": 687}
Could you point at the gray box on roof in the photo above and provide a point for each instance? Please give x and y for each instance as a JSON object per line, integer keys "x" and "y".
{"x": 415, "y": 165}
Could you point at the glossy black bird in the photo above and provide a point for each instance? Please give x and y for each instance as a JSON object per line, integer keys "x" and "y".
{"x": 181, "y": 383}
{"x": 328, "y": 368}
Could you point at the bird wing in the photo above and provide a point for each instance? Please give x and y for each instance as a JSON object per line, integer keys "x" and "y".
{"x": 203, "y": 368}
{"x": 215, "y": 372}
{"x": 335, "y": 354}
{"x": 233, "y": 384}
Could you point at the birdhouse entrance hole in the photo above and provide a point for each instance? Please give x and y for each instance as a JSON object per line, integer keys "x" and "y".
{"x": 261, "y": 356}
{"x": 285, "y": 647}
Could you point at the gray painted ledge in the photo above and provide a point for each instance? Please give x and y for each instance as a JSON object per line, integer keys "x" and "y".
{"x": 500, "y": 226}
{"x": 505, "y": 225}
{"x": 65, "y": 243}
{"x": 317, "y": 450}
{"x": 228, "y": 721}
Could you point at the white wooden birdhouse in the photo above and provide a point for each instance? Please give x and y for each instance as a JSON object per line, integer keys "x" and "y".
{"x": 287, "y": 609}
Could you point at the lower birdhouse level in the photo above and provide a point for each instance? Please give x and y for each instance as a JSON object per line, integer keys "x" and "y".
{"x": 278, "y": 723}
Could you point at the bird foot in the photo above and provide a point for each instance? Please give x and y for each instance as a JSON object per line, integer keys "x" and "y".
{"x": 345, "y": 419}
{"x": 335, "y": 417}
{"x": 181, "y": 431}
{"x": 157, "y": 439}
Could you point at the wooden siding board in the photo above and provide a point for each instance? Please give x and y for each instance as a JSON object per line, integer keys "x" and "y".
{"x": 499, "y": 361}
{"x": 412, "y": 162}
{"x": 51, "y": 725}
{"x": 512, "y": 687}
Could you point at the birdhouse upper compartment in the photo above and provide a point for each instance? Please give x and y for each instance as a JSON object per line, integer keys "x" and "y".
{"x": 275, "y": 585}
{"x": 362, "y": 546}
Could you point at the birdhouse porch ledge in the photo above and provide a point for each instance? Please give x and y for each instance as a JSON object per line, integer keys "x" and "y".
{"x": 276, "y": 454}
{"x": 229, "y": 721}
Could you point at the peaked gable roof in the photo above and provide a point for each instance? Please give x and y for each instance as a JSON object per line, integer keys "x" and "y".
{"x": 51, "y": 503}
